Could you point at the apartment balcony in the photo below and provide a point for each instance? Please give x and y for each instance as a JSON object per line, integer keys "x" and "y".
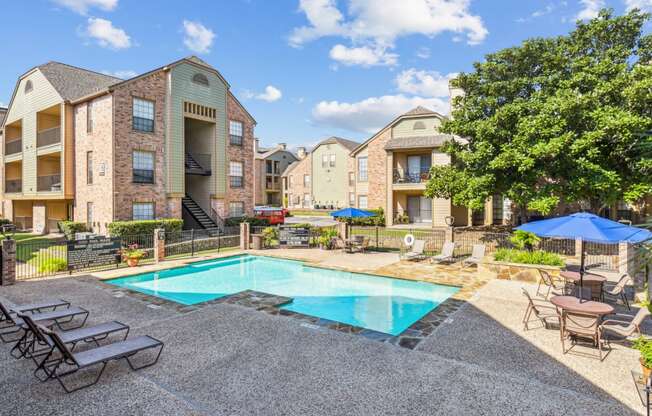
{"x": 272, "y": 186}
{"x": 14, "y": 146}
{"x": 48, "y": 137}
{"x": 48, "y": 183}
{"x": 410, "y": 180}
{"x": 13, "y": 186}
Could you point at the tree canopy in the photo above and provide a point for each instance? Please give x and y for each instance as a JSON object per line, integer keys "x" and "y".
{"x": 563, "y": 119}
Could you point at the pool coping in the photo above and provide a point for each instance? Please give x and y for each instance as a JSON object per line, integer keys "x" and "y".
{"x": 271, "y": 304}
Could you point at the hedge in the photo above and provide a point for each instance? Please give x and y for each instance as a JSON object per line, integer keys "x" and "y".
{"x": 125, "y": 228}
{"x": 69, "y": 228}
{"x": 528, "y": 257}
{"x": 253, "y": 221}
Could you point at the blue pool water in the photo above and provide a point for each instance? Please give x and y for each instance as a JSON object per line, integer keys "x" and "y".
{"x": 379, "y": 303}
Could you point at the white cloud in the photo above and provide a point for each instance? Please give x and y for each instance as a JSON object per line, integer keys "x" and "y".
{"x": 423, "y": 83}
{"x": 270, "y": 94}
{"x": 106, "y": 34}
{"x": 423, "y": 52}
{"x": 590, "y": 9}
{"x": 546, "y": 10}
{"x": 197, "y": 37}
{"x": 371, "y": 114}
{"x": 121, "y": 73}
{"x": 364, "y": 56}
{"x": 638, "y": 4}
{"x": 379, "y": 22}
{"x": 82, "y": 6}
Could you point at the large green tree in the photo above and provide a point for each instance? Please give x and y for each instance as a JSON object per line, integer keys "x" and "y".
{"x": 555, "y": 120}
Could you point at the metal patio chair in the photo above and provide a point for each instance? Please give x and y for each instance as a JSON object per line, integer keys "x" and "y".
{"x": 618, "y": 291}
{"x": 446, "y": 255}
{"x": 477, "y": 254}
{"x": 627, "y": 327}
{"x": 416, "y": 251}
{"x": 13, "y": 324}
{"x": 556, "y": 288}
{"x": 575, "y": 326}
{"x": 542, "y": 310}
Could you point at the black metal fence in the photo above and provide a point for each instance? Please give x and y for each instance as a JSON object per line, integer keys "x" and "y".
{"x": 192, "y": 242}
{"x": 390, "y": 239}
{"x": 270, "y": 234}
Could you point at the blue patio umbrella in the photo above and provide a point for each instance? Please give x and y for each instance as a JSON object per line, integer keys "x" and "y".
{"x": 352, "y": 213}
{"x": 588, "y": 227}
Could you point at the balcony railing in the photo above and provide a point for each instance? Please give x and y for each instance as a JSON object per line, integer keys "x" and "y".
{"x": 272, "y": 185}
{"x": 48, "y": 137}
{"x": 401, "y": 176}
{"x": 48, "y": 183}
{"x": 13, "y": 185}
{"x": 14, "y": 146}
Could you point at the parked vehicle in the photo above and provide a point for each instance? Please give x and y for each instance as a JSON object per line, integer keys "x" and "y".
{"x": 275, "y": 215}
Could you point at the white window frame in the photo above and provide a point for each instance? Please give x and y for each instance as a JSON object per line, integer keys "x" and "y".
{"x": 363, "y": 177}
{"x": 142, "y": 211}
{"x": 366, "y": 202}
{"x": 233, "y": 213}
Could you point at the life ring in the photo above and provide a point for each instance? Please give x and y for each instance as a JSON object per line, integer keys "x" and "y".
{"x": 408, "y": 240}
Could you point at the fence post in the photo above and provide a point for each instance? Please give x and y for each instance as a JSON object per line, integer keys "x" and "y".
{"x": 159, "y": 245}
{"x": 377, "y": 246}
{"x": 192, "y": 242}
{"x": 8, "y": 262}
{"x": 627, "y": 259}
{"x": 219, "y": 239}
{"x": 244, "y": 236}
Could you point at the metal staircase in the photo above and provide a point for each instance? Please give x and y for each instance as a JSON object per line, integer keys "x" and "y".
{"x": 203, "y": 219}
{"x": 194, "y": 167}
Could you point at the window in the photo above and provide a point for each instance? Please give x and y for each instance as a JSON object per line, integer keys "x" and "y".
{"x": 89, "y": 213}
{"x": 306, "y": 200}
{"x": 352, "y": 199}
{"x": 362, "y": 169}
{"x": 29, "y": 86}
{"x": 143, "y": 167}
{"x": 306, "y": 180}
{"x": 200, "y": 79}
{"x": 143, "y": 211}
{"x": 332, "y": 164}
{"x": 235, "y": 174}
{"x": 89, "y": 168}
{"x": 236, "y": 209}
{"x": 419, "y": 125}
{"x": 362, "y": 201}
{"x": 324, "y": 161}
{"x": 351, "y": 179}
{"x": 89, "y": 117}
{"x": 143, "y": 115}
{"x": 235, "y": 133}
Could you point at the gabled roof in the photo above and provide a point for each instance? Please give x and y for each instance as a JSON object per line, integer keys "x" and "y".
{"x": 3, "y": 114}
{"x": 72, "y": 83}
{"x": 291, "y": 167}
{"x": 415, "y": 112}
{"x": 268, "y": 152}
{"x": 348, "y": 144}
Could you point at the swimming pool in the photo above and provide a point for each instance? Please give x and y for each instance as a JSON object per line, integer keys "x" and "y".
{"x": 379, "y": 303}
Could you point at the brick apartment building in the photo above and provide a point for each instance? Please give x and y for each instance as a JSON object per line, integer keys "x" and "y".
{"x": 170, "y": 143}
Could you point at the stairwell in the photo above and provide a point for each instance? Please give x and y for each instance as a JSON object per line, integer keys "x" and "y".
{"x": 193, "y": 167}
{"x": 203, "y": 219}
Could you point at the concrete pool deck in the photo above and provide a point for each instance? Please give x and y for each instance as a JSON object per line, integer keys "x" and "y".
{"x": 228, "y": 359}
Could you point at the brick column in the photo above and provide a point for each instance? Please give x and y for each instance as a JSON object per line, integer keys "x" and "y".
{"x": 244, "y": 236}
{"x": 627, "y": 259}
{"x": 159, "y": 245}
{"x": 342, "y": 230}
{"x": 8, "y": 262}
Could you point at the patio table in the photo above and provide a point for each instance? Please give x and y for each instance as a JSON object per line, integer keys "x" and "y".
{"x": 589, "y": 307}
{"x": 594, "y": 281}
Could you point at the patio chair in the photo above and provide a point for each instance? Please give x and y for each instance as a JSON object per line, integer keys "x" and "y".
{"x": 618, "y": 291}
{"x": 477, "y": 254}
{"x": 553, "y": 287}
{"x": 361, "y": 243}
{"x": 542, "y": 310}
{"x": 416, "y": 251}
{"x": 15, "y": 324}
{"x": 40, "y": 306}
{"x": 36, "y": 344}
{"x": 575, "y": 326}
{"x": 339, "y": 244}
{"x": 446, "y": 254}
{"x": 625, "y": 328}
{"x": 61, "y": 361}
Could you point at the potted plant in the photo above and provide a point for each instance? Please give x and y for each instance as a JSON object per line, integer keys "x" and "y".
{"x": 132, "y": 254}
{"x": 644, "y": 346}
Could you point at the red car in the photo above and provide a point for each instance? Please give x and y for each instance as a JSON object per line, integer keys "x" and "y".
{"x": 273, "y": 215}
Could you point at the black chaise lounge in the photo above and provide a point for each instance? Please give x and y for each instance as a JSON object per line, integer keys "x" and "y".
{"x": 12, "y": 324}
{"x": 40, "y": 306}
{"x": 35, "y": 344}
{"x": 61, "y": 361}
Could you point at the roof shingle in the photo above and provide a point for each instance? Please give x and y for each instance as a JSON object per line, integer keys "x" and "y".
{"x": 73, "y": 83}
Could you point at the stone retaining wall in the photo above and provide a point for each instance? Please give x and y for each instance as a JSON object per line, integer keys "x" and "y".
{"x": 514, "y": 271}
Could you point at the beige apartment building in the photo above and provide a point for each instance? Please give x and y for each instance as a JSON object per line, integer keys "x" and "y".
{"x": 170, "y": 143}
{"x": 321, "y": 178}
{"x": 269, "y": 165}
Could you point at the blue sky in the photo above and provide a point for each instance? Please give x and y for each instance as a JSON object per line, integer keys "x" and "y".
{"x": 305, "y": 69}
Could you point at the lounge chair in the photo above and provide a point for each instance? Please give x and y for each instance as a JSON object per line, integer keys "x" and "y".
{"x": 575, "y": 326}
{"x": 66, "y": 362}
{"x": 543, "y": 310}
{"x": 361, "y": 243}
{"x": 553, "y": 287}
{"x": 477, "y": 254}
{"x": 29, "y": 345}
{"x": 618, "y": 291}
{"x": 625, "y": 328}
{"x": 40, "y": 306}
{"x": 446, "y": 253}
{"x": 14, "y": 324}
{"x": 416, "y": 251}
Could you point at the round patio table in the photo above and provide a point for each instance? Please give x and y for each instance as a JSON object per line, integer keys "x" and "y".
{"x": 593, "y": 281}
{"x": 573, "y": 304}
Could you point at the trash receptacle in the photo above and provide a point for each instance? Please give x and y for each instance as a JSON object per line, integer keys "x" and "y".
{"x": 257, "y": 241}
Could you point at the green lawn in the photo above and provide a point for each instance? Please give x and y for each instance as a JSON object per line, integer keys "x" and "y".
{"x": 28, "y": 245}
{"x": 309, "y": 213}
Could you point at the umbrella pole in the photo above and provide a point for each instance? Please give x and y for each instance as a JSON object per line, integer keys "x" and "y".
{"x": 582, "y": 270}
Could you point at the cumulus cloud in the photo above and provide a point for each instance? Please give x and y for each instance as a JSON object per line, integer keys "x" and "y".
{"x": 82, "y": 6}
{"x": 638, "y": 4}
{"x": 197, "y": 37}
{"x": 121, "y": 73}
{"x": 382, "y": 22}
{"x": 107, "y": 35}
{"x": 270, "y": 94}
{"x": 364, "y": 56}
{"x": 423, "y": 52}
{"x": 371, "y": 114}
{"x": 423, "y": 83}
{"x": 590, "y": 9}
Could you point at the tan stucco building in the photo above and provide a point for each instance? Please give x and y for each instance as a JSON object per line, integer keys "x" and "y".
{"x": 269, "y": 165}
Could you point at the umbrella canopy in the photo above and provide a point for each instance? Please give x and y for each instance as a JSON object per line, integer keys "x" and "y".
{"x": 352, "y": 213}
{"x": 587, "y": 226}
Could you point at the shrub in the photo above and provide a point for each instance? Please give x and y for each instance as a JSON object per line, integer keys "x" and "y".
{"x": 528, "y": 257}
{"x": 4, "y": 221}
{"x": 270, "y": 236}
{"x": 124, "y": 228}
{"x": 524, "y": 240}
{"x": 69, "y": 228}
{"x": 644, "y": 346}
{"x": 253, "y": 221}
{"x": 52, "y": 265}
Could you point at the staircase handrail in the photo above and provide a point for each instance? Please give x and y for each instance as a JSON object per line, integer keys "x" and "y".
{"x": 217, "y": 218}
